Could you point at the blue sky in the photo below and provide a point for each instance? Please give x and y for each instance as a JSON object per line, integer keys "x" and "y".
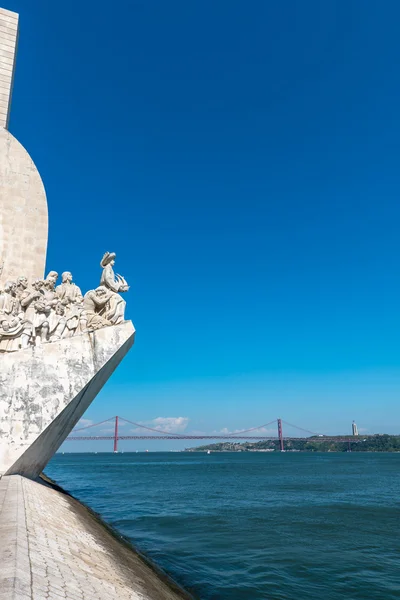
{"x": 242, "y": 159}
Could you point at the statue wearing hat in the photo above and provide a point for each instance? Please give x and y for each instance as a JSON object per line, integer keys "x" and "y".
{"x": 114, "y": 311}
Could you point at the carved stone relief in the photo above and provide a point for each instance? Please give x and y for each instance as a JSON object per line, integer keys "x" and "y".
{"x": 41, "y": 311}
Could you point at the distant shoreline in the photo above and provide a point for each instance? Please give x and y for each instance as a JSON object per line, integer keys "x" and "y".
{"x": 375, "y": 443}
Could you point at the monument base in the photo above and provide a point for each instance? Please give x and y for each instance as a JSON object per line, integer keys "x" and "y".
{"x": 45, "y": 390}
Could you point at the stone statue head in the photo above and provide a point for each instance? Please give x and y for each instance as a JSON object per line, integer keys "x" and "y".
{"x": 60, "y": 310}
{"x": 108, "y": 259}
{"x": 40, "y": 306}
{"x": 51, "y": 279}
{"x": 66, "y": 276}
{"x": 10, "y": 287}
{"x": 22, "y": 282}
{"x": 37, "y": 284}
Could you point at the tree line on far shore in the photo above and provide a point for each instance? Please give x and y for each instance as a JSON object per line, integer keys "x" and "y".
{"x": 376, "y": 443}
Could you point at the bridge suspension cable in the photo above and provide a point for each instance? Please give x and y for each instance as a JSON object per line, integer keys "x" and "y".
{"x": 252, "y": 429}
{"x": 94, "y": 424}
{"x": 300, "y": 428}
{"x": 185, "y": 435}
{"x": 151, "y": 428}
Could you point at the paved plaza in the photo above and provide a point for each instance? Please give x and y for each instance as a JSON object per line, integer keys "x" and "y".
{"x": 52, "y": 547}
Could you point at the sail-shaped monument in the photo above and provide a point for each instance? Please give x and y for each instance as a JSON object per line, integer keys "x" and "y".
{"x": 58, "y": 345}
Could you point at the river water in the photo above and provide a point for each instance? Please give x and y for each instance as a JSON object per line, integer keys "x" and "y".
{"x": 253, "y": 526}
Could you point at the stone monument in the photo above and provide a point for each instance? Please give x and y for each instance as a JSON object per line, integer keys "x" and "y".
{"x": 58, "y": 346}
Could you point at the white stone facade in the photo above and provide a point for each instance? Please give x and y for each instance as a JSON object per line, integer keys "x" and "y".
{"x": 8, "y": 50}
{"x": 45, "y": 390}
{"x": 23, "y": 213}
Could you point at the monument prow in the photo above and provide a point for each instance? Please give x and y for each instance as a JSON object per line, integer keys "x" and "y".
{"x": 58, "y": 346}
{"x": 45, "y": 390}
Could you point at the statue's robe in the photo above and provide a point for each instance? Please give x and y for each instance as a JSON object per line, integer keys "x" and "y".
{"x": 71, "y": 297}
{"x": 10, "y": 313}
{"x": 114, "y": 311}
{"x": 92, "y": 307}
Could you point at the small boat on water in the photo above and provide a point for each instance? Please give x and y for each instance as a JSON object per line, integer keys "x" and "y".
{"x": 208, "y": 451}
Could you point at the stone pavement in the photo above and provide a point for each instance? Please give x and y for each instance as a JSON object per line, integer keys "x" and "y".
{"x": 52, "y": 547}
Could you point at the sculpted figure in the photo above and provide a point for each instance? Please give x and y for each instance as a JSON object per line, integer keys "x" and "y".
{"x": 29, "y": 298}
{"x": 26, "y": 296}
{"x": 71, "y": 298}
{"x": 21, "y": 287}
{"x": 45, "y": 307}
{"x": 115, "y": 309}
{"x": 38, "y": 313}
{"x": 15, "y": 331}
{"x": 57, "y": 322}
{"x": 95, "y": 301}
{"x": 49, "y": 289}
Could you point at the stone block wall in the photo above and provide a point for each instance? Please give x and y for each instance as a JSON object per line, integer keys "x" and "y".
{"x": 8, "y": 49}
{"x": 23, "y": 213}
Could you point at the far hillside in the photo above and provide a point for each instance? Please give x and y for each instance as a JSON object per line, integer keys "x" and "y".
{"x": 375, "y": 443}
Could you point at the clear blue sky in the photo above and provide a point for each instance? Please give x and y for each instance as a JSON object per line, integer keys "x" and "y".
{"x": 243, "y": 160}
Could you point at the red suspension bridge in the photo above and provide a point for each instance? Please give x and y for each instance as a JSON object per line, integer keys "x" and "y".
{"x": 156, "y": 434}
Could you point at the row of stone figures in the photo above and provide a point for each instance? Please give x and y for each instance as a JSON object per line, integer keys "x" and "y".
{"x": 31, "y": 314}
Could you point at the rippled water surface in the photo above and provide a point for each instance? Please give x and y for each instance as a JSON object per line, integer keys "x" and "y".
{"x": 252, "y": 526}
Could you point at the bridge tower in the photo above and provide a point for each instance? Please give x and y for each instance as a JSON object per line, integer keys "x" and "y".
{"x": 116, "y": 436}
{"x": 280, "y": 435}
